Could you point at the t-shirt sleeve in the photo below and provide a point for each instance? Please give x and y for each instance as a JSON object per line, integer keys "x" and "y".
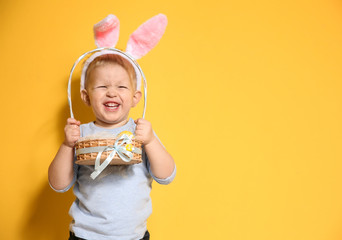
{"x": 163, "y": 181}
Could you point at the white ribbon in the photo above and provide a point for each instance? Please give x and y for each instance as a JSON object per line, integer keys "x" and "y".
{"x": 118, "y": 148}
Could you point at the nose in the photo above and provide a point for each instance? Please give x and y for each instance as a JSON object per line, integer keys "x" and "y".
{"x": 111, "y": 92}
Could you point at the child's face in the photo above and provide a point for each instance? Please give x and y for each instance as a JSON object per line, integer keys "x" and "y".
{"x": 110, "y": 94}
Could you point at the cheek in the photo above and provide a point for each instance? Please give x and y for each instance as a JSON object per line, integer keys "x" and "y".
{"x": 127, "y": 94}
{"x": 95, "y": 95}
{"x": 94, "y": 101}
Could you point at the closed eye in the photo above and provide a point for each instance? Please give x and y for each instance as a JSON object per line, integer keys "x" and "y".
{"x": 101, "y": 87}
{"x": 123, "y": 87}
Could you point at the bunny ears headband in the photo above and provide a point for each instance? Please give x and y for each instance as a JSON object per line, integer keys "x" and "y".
{"x": 141, "y": 41}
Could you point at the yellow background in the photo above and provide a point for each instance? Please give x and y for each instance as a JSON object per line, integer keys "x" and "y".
{"x": 246, "y": 95}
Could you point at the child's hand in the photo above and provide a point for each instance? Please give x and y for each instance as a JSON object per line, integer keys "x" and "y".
{"x": 143, "y": 131}
{"x": 72, "y": 132}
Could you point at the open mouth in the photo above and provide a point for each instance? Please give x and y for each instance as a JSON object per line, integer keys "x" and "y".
{"x": 111, "y": 106}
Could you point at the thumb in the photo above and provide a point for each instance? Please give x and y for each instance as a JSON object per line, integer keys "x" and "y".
{"x": 136, "y": 121}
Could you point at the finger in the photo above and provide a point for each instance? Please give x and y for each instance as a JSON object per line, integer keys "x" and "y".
{"x": 138, "y": 137}
{"x": 73, "y": 121}
{"x": 72, "y": 129}
{"x": 139, "y": 121}
{"x": 76, "y": 137}
{"x": 138, "y": 127}
{"x": 75, "y": 133}
{"x": 142, "y": 124}
{"x": 139, "y": 133}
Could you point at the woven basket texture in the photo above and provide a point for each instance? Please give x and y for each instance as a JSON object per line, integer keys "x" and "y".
{"x": 89, "y": 158}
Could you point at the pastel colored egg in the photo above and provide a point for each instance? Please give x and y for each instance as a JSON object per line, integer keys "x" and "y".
{"x": 127, "y": 133}
{"x": 129, "y": 147}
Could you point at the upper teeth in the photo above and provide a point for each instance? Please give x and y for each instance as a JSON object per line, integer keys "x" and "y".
{"x": 112, "y": 104}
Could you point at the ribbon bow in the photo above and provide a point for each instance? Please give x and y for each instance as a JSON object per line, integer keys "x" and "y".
{"x": 119, "y": 148}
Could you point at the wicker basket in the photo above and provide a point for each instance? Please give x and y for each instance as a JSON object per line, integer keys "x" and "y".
{"x": 89, "y": 158}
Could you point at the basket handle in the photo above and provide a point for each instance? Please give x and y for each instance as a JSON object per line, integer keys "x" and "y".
{"x": 97, "y": 50}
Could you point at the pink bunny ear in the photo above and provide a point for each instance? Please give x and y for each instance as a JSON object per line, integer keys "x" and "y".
{"x": 106, "y": 32}
{"x": 146, "y": 36}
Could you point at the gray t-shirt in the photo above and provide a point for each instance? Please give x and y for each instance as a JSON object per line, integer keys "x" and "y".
{"x": 117, "y": 203}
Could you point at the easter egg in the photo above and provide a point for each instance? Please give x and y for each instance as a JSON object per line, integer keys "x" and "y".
{"x": 127, "y": 133}
{"x": 129, "y": 147}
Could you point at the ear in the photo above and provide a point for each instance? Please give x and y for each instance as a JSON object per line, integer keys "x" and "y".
{"x": 85, "y": 97}
{"x": 146, "y": 36}
{"x": 136, "y": 98}
{"x": 106, "y": 32}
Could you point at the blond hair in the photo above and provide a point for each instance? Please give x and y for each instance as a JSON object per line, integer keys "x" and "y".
{"x": 112, "y": 59}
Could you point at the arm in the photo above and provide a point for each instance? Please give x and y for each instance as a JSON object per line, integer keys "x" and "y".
{"x": 161, "y": 162}
{"x": 61, "y": 170}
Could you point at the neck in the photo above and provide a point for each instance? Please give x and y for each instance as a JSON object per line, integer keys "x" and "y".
{"x": 110, "y": 125}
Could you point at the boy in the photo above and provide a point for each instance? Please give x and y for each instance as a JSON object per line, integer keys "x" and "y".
{"x": 115, "y": 205}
